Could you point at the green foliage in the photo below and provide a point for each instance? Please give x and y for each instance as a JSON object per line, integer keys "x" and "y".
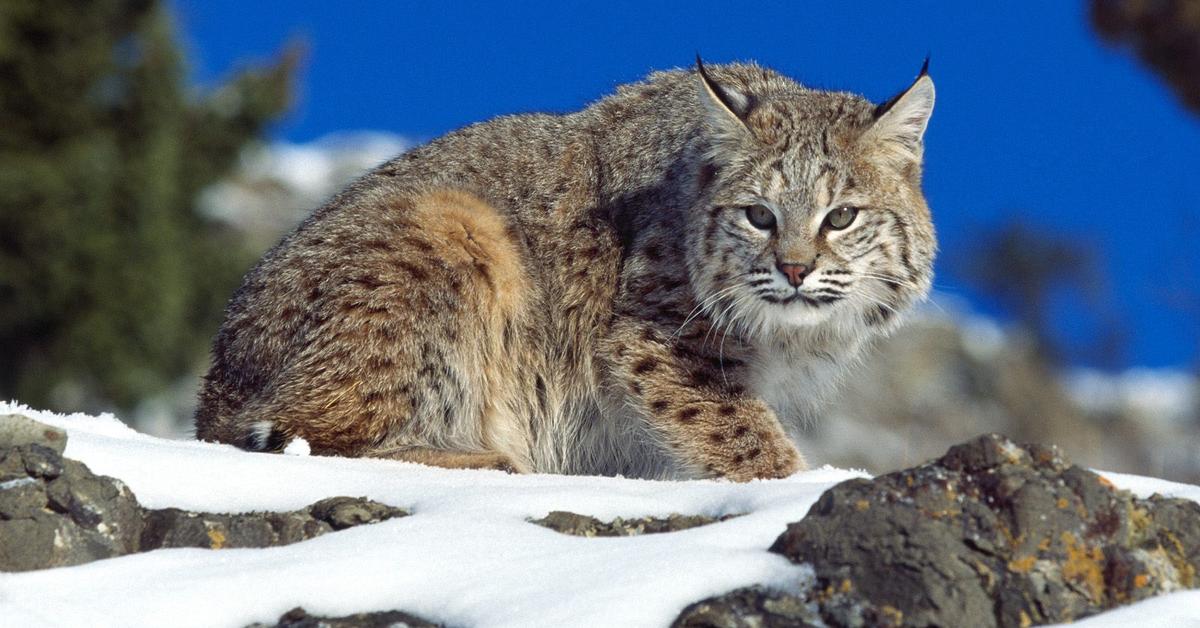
{"x": 111, "y": 284}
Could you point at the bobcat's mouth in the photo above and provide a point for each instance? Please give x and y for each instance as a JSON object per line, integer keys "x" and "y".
{"x": 811, "y": 300}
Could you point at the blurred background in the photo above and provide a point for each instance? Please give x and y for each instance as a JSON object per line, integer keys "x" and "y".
{"x": 151, "y": 151}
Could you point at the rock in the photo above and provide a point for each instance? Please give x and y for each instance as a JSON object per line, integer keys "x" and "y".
{"x": 299, "y": 618}
{"x": 345, "y": 512}
{"x": 993, "y": 534}
{"x": 752, "y": 607}
{"x": 583, "y": 525}
{"x": 55, "y": 512}
{"x": 18, "y": 429}
{"x": 171, "y": 527}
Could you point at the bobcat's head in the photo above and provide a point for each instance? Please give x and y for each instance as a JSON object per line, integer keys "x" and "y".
{"x": 810, "y": 210}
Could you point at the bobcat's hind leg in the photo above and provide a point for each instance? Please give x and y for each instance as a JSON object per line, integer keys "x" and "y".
{"x": 410, "y": 343}
{"x": 449, "y": 459}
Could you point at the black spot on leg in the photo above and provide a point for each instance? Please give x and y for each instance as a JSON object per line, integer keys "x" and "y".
{"x": 727, "y": 409}
{"x": 687, "y": 415}
{"x": 658, "y": 406}
{"x": 646, "y": 365}
{"x": 740, "y": 431}
{"x": 705, "y": 378}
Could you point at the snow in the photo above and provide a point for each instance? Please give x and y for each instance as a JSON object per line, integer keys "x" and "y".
{"x": 297, "y": 447}
{"x": 1153, "y": 395}
{"x": 300, "y": 176}
{"x": 466, "y": 556}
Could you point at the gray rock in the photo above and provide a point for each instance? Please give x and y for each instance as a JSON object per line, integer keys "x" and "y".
{"x": 299, "y": 618}
{"x": 583, "y": 525}
{"x": 993, "y": 534}
{"x": 172, "y": 527}
{"x": 345, "y": 512}
{"x": 18, "y": 429}
{"x": 752, "y": 607}
{"x": 55, "y": 512}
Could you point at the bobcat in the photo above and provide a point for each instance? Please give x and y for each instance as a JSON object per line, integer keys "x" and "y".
{"x": 664, "y": 284}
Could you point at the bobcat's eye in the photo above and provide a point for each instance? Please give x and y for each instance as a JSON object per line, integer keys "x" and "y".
{"x": 760, "y": 216}
{"x": 841, "y": 218}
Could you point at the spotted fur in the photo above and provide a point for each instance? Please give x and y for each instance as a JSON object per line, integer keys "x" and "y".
{"x": 585, "y": 293}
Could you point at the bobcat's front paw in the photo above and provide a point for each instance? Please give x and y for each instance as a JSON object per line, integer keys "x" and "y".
{"x": 745, "y": 455}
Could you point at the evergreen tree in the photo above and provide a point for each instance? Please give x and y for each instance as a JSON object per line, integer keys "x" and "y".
{"x": 111, "y": 284}
{"x": 1165, "y": 34}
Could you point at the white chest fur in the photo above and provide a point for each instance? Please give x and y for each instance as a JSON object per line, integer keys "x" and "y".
{"x": 795, "y": 382}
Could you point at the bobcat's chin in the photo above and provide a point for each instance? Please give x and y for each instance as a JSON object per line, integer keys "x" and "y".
{"x": 797, "y": 311}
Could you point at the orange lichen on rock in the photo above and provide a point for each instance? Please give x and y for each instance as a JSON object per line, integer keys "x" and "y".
{"x": 1022, "y": 564}
{"x": 1084, "y": 565}
{"x": 216, "y": 538}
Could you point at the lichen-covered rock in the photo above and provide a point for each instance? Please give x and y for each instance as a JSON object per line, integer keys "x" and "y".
{"x": 56, "y": 512}
{"x": 172, "y": 527}
{"x": 299, "y": 618}
{"x": 995, "y": 534}
{"x": 583, "y": 525}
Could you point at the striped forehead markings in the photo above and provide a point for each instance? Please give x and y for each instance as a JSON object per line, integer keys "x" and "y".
{"x": 780, "y": 172}
{"x": 824, "y": 185}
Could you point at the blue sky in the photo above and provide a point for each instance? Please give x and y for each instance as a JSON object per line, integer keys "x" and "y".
{"x": 1037, "y": 120}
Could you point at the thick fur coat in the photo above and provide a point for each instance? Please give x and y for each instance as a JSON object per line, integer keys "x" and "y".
{"x": 664, "y": 284}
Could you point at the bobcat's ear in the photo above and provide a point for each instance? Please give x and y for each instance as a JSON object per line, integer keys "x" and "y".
{"x": 725, "y": 107}
{"x": 900, "y": 122}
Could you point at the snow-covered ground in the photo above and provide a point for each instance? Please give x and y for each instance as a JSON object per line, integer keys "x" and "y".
{"x": 466, "y": 557}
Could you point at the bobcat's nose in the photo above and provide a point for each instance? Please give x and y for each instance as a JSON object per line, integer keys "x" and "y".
{"x": 795, "y": 273}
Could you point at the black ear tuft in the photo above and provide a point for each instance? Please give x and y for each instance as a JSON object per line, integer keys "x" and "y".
{"x": 736, "y": 104}
{"x": 886, "y": 106}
